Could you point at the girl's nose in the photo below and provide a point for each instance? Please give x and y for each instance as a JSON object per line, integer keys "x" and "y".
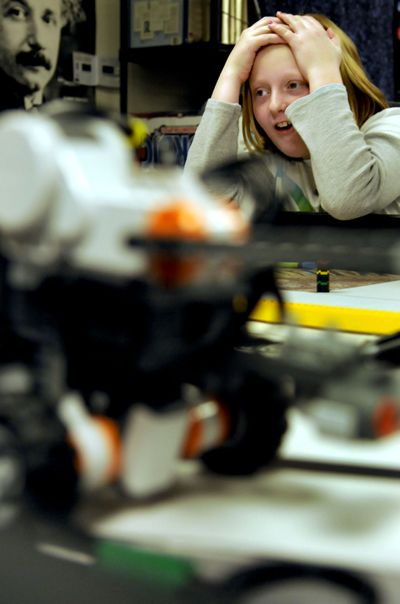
{"x": 277, "y": 103}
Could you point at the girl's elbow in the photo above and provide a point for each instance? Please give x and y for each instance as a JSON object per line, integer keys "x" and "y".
{"x": 344, "y": 211}
{"x": 348, "y": 207}
{"x": 340, "y": 210}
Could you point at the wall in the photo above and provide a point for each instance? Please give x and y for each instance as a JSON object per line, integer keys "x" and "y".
{"x": 107, "y": 45}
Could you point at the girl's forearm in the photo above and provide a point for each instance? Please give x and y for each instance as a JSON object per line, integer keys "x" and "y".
{"x": 228, "y": 87}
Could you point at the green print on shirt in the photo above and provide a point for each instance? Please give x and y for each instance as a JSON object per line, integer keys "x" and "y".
{"x": 291, "y": 188}
{"x": 296, "y": 194}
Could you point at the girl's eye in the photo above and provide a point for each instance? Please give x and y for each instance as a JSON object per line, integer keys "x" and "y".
{"x": 261, "y": 92}
{"x": 297, "y": 85}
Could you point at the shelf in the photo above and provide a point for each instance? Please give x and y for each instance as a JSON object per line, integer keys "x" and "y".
{"x": 175, "y": 55}
{"x": 202, "y": 59}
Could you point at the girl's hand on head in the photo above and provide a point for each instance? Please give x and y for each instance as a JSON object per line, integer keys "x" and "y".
{"x": 251, "y": 40}
{"x": 316, "y": 50}
{"x": 240, "y": 61}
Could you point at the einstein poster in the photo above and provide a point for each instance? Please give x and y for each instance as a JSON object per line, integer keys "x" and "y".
{"x": 37, "y": 39}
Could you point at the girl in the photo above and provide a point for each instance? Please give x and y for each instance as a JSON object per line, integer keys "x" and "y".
{"x": 326, "y": 132}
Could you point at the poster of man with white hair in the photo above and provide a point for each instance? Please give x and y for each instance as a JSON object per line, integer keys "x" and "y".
{"x": 37, "y": 41}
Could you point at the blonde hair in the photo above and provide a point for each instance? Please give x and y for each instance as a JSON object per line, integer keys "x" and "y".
{"x": 365, "y": 99}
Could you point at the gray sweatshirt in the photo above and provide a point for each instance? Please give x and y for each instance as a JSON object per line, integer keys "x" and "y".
{"x": 352, "y": 171}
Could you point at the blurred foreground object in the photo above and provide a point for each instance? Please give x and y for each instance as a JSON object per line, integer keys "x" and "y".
{"x": 123, "y": 304}
{"x": 117, "y": 336}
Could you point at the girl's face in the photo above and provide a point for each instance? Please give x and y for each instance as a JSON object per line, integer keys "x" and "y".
{"x": 275, "y": 82}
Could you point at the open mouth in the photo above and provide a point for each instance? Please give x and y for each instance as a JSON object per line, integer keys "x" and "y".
{"x": 286, "y": 125}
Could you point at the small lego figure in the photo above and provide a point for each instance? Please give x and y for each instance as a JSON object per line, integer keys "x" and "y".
{"x": 322, "y": 274}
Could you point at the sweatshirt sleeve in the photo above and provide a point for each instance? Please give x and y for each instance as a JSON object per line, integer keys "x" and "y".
{"x": 356, "y": 170}
{"x": 216, "y": 137}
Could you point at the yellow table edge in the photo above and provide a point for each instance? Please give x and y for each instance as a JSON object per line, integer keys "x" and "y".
{"x": 358, "y": 320}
